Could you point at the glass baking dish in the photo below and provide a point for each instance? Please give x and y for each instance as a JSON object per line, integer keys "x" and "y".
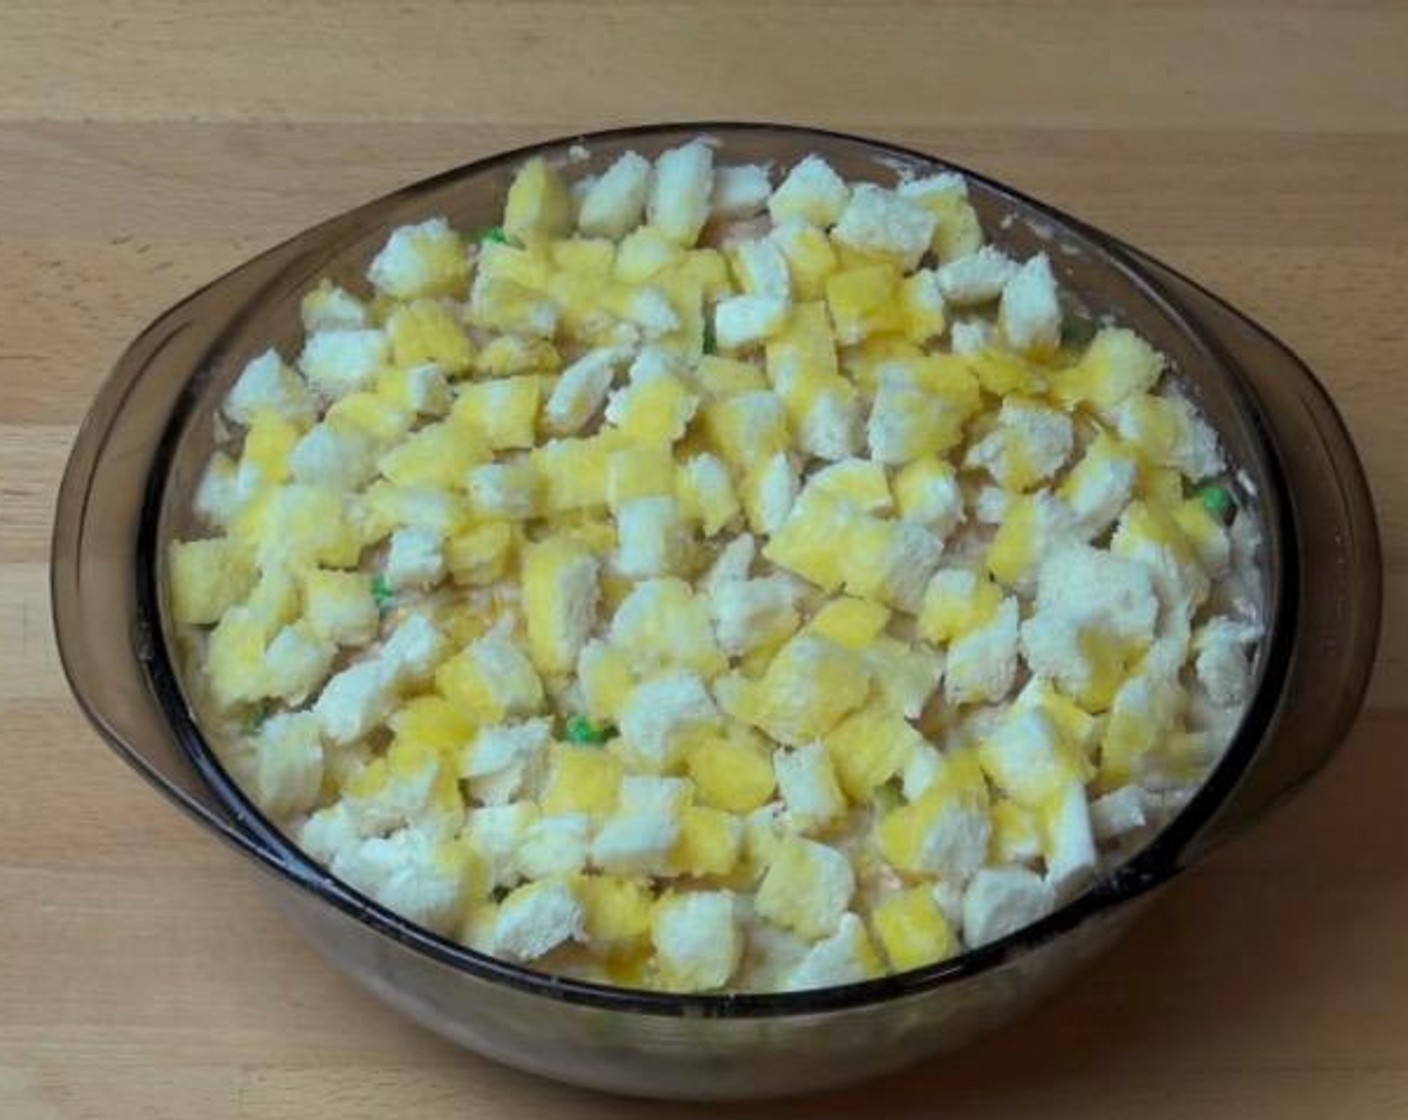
{"x": 139, "y": 454}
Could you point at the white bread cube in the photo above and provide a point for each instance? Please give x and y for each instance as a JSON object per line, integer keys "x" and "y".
{"x": 1118, "y": 814}
{"x": 635, "y": 843}
{"x": 582, "y": 389}
{"x": 1030, "y": 312}
{"x": 502, "y": 761}
{"x": 536, "y": 919}
{"x": 612, "y": 206}
{"x": 697, "y": 940}
{"x": 807, "y": 782}
{"x": 337, "y": 457}
{"x": 403, "y": 268}
{"x": 353, "y": 702}
{"x": 403, "y": 872}
{"x": 882, "y": 223}
{"x": 977, "y": 278}
{"x": 415, "y": 558}
{"x": 297, "y": 662}
{"x": 556, "y": 845}
{"x": 740, "y": 191}
{"x": 775, "y": 495}
{"x": 327, "y": 832}
{"x": 940, "y": 183}
{"x": 1070, "y": 843}
{"x": 412, "y": 652}
{"x": 969, "y": 336}
{"x": 734, "y": 562}
{"x": 983, "y": 662}
{"x": 762, "y": 269}
{"x": 659, "y": 717}
{"x": 651, "y": 310}
{"x": 266, "y": 384}
{"x": 329, "y": 307}
{"x": 750, "y": 612}
{"x": 1223, "y": 661}
{"x": 811, "y": 191}
{"x": 742, "y": 321}
{"x": 340, "y": 362}
{"x": 288, "y": 764}
{"x": 497, "y": 832}
{"x": 679, "y": 196}
{"x": 846, "y": 957}
{"x": 1001, "y": 900}
{"x": 503, "y": 490}
{"x": 653, "y": 537}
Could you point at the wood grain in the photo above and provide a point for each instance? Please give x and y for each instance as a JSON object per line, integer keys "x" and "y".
{"x": 147, "y": 146}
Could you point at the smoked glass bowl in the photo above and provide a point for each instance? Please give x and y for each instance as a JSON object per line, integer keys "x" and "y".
{"x": 138, "y": 455}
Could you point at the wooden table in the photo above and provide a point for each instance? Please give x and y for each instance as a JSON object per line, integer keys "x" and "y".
{"x": 145, "y": 147}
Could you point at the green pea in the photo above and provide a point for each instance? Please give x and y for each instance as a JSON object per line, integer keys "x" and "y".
{"x": 582, "y": 730}
{"x": 1217, "y": 500}
{"x": 494, "y": 234}
{"x": 382, "y": 593}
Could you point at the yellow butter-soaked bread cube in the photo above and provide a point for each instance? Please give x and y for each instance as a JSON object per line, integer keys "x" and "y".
{"x": 889, "y": 561}
{"x": 510, "y": 354}
{"x": 481, "y": 554}
{"x": 863, "y": 302}
{"x": 538, "y": 207}
{"x": 428, "y": 725}
{"x": 1117, "y": 364}
{"x": 810, "y": 256}
{"x": 644, "y": 471}
{"x": 957, "y": 601}
{"x": 340, "y": 607}
{"x": 206, "y": 578}
{"x": 710, "y": 841}
{"x": 706, "y": 493}
{"x": 593, "y": 257}
{"x": 492, "y": 679}
{"x": 732, "y": 772}
{"x": 371, "y": 414}
{"x": 1001, "y": 372}
{"x": 617, "y": 910}
{"x": 697, "y": 938}
{"x": 606, "y": 677}
{"x": 850, "y": 622}
{"x": 559, "y": 600}
{"x": 807, "y": 888}
{"x": 810, "y": 685}
{"x": 428, "y": 259}
{"x": 869, "y": 747}
{"x": 1016, "y": 833}
{"x": 437, "y": 455}
{"x": 426, "y": 331}
{"x": 718, "y": 376}
{"x": 944, "y": 832}
{"x": 643, "y": 253}
{"x": 912, "y": 929}
{"x": 268, "y": 444}
{"x": 299, "y": 525}
{"x": 503, "y": 413}
{"x": 923, "y": 307}
{"x": 810, "y": 541}
{"x": 652, "y": 410}
{"x": 574, "y": 471}
{"x": 581, "y": 779}
{"x": 234, "y": 659}
{"x": 746, "y": 428}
